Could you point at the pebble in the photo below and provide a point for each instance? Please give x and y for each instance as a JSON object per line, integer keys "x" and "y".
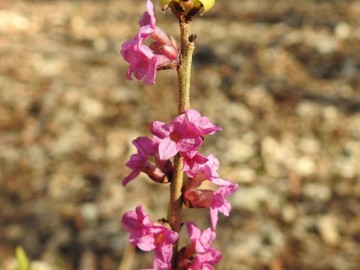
{"x": 305, "y": 166}
{"x": 11, "y": 21}
{"x": 328, "y": 229}
{"x": 317, "y": 191}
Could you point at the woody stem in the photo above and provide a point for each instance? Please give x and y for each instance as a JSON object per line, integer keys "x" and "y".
{"x": 183, "y": 71}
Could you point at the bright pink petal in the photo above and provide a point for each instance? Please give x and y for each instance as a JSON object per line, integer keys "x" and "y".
{"x": 220, "y": 204}
{"x": 135, "y": 222}
{"x": 147, "y": 235}
{"x": 130, "y": 221}
{"x": 206, "y": 238}
{"x": 148, "y": 17}
{"x": 194, "y": 231}
{"x": 160, "y": 265}
{"x": 150, "y": 75}
{"x": 130, "y": 177}
{"x": 160, "y": 129}
{"x": 209, "y": 258}
{"x": 202, "y": 125}
{"x": 164, "y": 240}
{"x": 136, "y": 162}
{"x": 141, "y": 59}
{"x": 201, "y": 240}
{"x": 199, "y": 254}
{"x": 146, "y": 243}
{"x": 214, "y": 217}
{"x": 189, "y": 144}
{"x": 221, "y": 182}
{"x": 145, "y": 146}
{"x": 167, "y": 149}
{"x": 207, "y": 169}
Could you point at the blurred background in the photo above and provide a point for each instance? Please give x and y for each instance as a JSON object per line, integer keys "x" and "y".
{"x": 281, "y": 77}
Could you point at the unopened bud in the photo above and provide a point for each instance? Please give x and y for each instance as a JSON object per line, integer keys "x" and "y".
{"x": 186, "y": 4}
{"x": 189, "y": 8}
{"x": 204, "y": 5}
{"x": 198, "y": 198}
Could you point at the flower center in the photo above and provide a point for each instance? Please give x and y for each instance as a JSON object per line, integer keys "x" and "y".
{"x": 159, "y": 238}
{"x": 174, "y": 137}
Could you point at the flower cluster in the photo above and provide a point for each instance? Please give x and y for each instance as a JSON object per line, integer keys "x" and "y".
{"x": 146, "y": 60}
{"x": 184, "y": 135}
{"x": 199, "y": 254}
{"x": 203, "y": 198}
{"x": 170, "y": 142}
{"x": 148, "y": 235}
{"x": 155, "y": 157}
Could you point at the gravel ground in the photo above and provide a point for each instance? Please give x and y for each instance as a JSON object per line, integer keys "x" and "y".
{"x": 281, "y": 78}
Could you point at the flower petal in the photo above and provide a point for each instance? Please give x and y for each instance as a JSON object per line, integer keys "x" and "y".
{"x": 167, "y": 149}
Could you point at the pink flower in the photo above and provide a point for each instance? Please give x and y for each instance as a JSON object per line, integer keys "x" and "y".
{"x": 183, "y": 135}
{"x": 178, "y": 136}
{"x": 199, "y": 254}
{"x": 219, "y": 202}
{"x": 139, "y": 162}
{"x": 207, "y": 170}
{"x": 192, "y": 159}
{"x": 138, "y": 224}
{"x": 158, "y": 265}
{"x": 201, "y": 124}
{"x": 203, "y": 198}
{"x": 148, "y": 235}
{"x": 200, "y": 240}
{"x": 148, "y": 19}
{"x": 144, "y": 61}
{"x": 206, "y": 260}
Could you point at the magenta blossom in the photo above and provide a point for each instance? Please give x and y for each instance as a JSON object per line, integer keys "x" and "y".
{"x": 206, "y": 170}
{"x": 199, "y": 254}
{"x": 139, "y": 162}
{"x": 192, "y": 159}
{"x": 200, "y": 240}
{"x": 201, "y": 124}
{"x": 144, "y": 61}
{"x": 175, "y": 137}
{"x": 219, "y": 202}
{"x": 183, "y": 135}
{"x": 201, "y": 198}
{"x": 206, "y": 260}
{"x": 148, "y": 235}
{"x": 138, "y": 224}
{"x": 204, "y": 198}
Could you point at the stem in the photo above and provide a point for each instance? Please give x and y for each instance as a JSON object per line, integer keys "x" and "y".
{"x": 183, "y": 70}
{"x": 176, "y": 200}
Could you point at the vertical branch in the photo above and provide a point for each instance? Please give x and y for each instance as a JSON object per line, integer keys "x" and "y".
{"x": 183, "y": 70}
{"x": 175, "y": 195}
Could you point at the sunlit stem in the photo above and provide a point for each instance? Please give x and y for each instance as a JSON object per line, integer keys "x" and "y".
{"x": 183, "y": 70}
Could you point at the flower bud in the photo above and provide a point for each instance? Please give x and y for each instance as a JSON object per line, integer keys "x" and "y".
{"x": 186, "y": 4}
{"x": 167, "y": 50}
{"x": 187, "y": 7}
{"x": 206, "y": 5}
